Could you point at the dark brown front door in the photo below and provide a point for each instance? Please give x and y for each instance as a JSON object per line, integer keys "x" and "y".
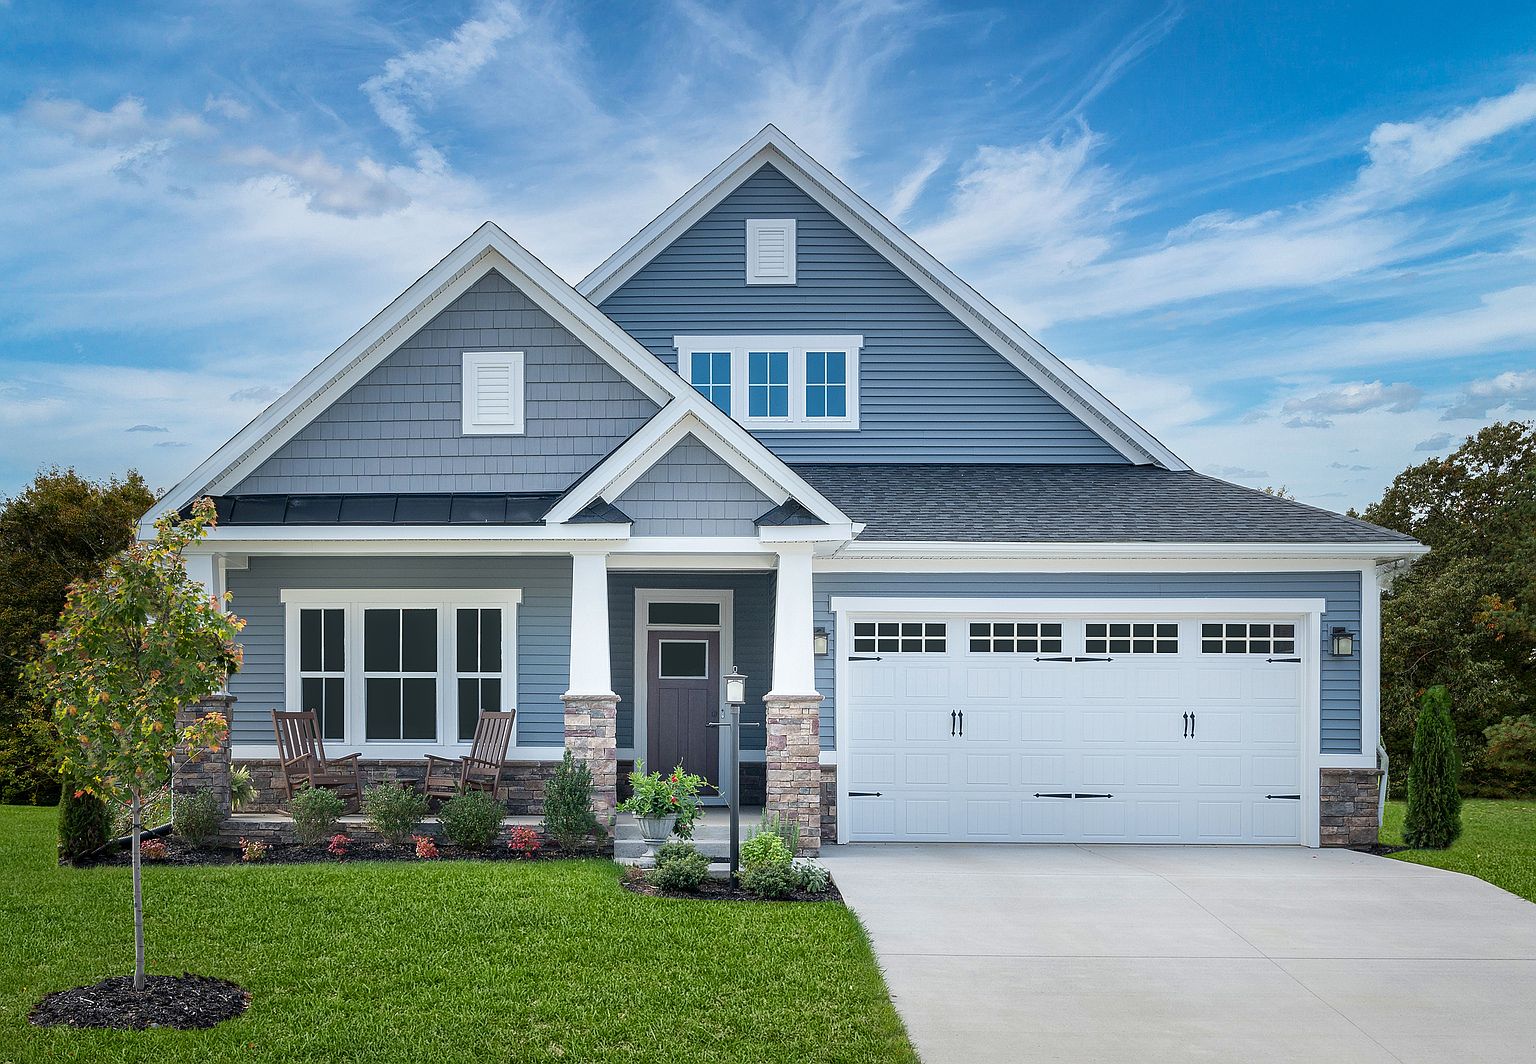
{"x": 682, "y": 699}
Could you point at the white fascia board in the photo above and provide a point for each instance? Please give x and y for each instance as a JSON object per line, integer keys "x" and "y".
{"x": 1184, "y": 605}
{"x": 486, "y": 249}
{"x": 936, "y": 549}
{"x": 730, "y": 442}
{"x": 775, "y": 534}
{"x": 1026, "y": 353}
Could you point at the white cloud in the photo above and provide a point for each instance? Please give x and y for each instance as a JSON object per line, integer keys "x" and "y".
{"x": 1515, "y": 390}
{"x": 1437, "y": 442}
{"x": 226, "y": 106}
{"x": 367, "y": 189}
{"x": 127, "y": 122}
{"x": 912, "y": 185}
{"x": 146, "y": 428}
{"x": 1318, "y": 409}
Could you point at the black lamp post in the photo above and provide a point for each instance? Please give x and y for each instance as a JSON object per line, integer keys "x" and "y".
{"x": 730, "y": 718}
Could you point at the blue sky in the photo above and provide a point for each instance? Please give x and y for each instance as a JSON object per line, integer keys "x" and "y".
{"x": 1297, "y": 241}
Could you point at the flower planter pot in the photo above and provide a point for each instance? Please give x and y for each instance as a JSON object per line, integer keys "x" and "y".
{"x": 655, "y": 830}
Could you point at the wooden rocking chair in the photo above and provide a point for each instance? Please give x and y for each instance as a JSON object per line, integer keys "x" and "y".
{"x": 301, "y": 753}
{"x": 481, "y": 768}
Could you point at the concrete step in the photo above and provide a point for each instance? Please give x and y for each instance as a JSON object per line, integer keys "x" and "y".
{"x": 716, "y": 849}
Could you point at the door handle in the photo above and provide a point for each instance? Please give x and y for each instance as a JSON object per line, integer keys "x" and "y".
{"x": 951, "y": 722}
{"x": 1186, "y": 725}
{"x": 962, "y": 722}
{"x": 1191, "y": 725}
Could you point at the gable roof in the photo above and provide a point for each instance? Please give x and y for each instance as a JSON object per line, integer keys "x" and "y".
{"x": 488, "y": 248}
{"x": 1028, "y": 355}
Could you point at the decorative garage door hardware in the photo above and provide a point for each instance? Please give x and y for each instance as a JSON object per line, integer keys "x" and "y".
{"x": 1189, "y": 725}
{"x": 952, "y": 715}
{"x": 1289, "y": 797}
{"x": 864, "y": 794}
{"x": 1071, "y": 795}
{"x": 863, "y": 659}
{"x": 1290, "y": 661}
{"x": 1074, "y": 659}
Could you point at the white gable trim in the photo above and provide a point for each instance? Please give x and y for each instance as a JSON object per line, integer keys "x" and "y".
{"x": 1026, "y": 353}
{"x": 632, "y": 459}
{"x": 488, "y": 248}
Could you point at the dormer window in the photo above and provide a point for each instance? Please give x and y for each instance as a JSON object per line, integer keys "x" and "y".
{"x": 493, "y": 393}
{"x": 777, "y": 382}
{"x": 770, "y": 251}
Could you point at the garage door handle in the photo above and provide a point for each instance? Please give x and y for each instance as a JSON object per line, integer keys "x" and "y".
{"x": 863, "y": 659}
{"x": 1186, "y": 725}
{"x": 1038, "y": 795}
{"x": 1093, "y": 796}
{"x": 863, "y": 794}
{"x": 1292, "y": 661}
{"x": 1093, "y": 659}
{"x": 1292, "y": 797}
{"x": 1055, "y": 659}
{"x": 951, "y": 722}
{"x": 962, "y": 722}
{"x": 1191, "y": 725}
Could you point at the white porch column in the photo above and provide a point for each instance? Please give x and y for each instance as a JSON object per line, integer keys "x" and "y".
{"x": 206, "y": 569}
{"x": 590, "y": 673}
{"x": 793, "y": 706}
{"x": 591, "y": 707}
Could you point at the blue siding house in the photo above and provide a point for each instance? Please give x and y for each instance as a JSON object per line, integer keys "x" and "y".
{"x": 974, "y": 601}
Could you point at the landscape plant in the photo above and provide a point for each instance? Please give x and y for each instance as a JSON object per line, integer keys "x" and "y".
{"x": 1512, "y": 749}
{"x": 472, "y": 820}
{"x": 782, "y": 826}
{"x": 524, "y": 842}
{"x": 84, "y": 823}
{"x": 568, "y": 815}
{"x": 426, "y": 849}
{"x": 153, "y": 850}
{"x": 679, "y": 866}
{"x": 196, "y": 817}
{"x": 812, "y": 877}
{"x": 133, "y": 646}
{"x": 767, "y": 866}
{"x": 394, "y": 811}
{"x": 654, "y": 795}
{"x": 316, "y": 813}
{"x": 339, "y": 845}
{"x": 1434, "y": 800}
{"x": 253, "y": 850}
{"x": 242, "y": 791}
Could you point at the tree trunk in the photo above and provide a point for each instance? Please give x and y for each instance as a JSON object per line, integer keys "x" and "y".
{"x": 138, "y": 897}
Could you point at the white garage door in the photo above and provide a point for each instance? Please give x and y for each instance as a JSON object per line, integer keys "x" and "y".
{"x": 978, "y": 727}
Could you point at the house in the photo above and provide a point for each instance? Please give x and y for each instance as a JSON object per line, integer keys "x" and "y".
{"x": 973, "y": 599}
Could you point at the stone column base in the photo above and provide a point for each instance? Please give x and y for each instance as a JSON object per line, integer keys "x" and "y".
{"x": 205, "y": 770}
{"x": 1347, "y": 813}
{"x": 592, "y": 736}
{"x": 794, "y": 763}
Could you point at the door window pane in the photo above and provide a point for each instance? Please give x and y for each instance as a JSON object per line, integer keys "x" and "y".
{"x": 683, "y": 659}
{"x": 684, "y": 613}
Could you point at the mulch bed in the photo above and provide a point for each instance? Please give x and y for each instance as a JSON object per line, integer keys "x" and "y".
{"x": 181, "y": 852}
{"x": 1381, "y": 849}
{"x": 188, "y": 1002}
{"x": 721, "y": 890}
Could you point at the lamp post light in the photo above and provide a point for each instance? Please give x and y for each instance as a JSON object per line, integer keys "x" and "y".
{"x": 730, "y": 718}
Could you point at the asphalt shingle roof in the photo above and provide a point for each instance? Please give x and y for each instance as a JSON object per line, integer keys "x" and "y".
{"x": 1072, "y": 504}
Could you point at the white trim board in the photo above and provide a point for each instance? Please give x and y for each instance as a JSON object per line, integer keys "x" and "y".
{"x": 1026, "y": 353}
{"x": 1183, "y": 606}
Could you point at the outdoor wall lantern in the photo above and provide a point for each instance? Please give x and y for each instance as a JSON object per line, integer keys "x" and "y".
{"x": 735, "y": 688}
{"x": 819, "y": 642}
{"x": 1343, "y": 643}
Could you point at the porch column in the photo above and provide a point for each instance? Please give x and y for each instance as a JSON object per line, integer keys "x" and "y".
{"x": 793, "y": 706}
{"x": 591, "y": 707}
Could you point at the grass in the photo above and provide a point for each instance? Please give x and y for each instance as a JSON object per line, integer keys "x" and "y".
{"x": 1498, "y": 843}
{"x": 462, "y": 961}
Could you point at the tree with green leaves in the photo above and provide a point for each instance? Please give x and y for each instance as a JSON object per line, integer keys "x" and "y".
{"x": 1464, "y": 616}
{"x": 59, "y": 529}
{"x": 1433, "y": 819}
{"x": 133, "y": 646}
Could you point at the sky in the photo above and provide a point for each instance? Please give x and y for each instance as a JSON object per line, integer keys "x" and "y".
{"x": 1296, "y": 241}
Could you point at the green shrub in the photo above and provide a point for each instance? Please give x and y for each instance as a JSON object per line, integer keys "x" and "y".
{"x": 472, "y": 820}
{"x": 770, "y": 881}
{"x": 393, "y": 811}
{"x": 316, "y": 815}
{"x": 242, "y": 791}
{"x": 196, "y": 816}
{"x": 812, "y": 878}
{"x": 1512, "y": 749}
{"x": 83, "y": 823}
{"x": 679, "y": 866}
{"x": 568, "y": 816}
{"x": 766, "y": 849}
{"x": 784, "y": 828}
{"x": 1433, "y": 819}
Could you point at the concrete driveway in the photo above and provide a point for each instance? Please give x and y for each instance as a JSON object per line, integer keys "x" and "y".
{"x": 1239, "y": 955}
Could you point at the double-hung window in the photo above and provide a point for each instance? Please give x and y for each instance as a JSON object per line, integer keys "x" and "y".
{"x": 777, "y": 382}
{"x": 403, "y": 669}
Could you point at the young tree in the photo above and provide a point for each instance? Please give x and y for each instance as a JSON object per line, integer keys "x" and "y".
{"x": 133, "y": 646}
{"x": 58, "y": 529}
{"x": 1434, "y": 802}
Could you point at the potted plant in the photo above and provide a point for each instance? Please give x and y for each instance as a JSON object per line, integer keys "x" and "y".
{"x": 663, "y": 804}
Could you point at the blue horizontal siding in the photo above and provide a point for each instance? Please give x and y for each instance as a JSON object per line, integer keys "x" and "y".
{"x": 1341, "y": 692}
{"x": 543, "y": 627}
{"x": 399, "y": 429}
{"x": 752, "y": 638}
{"x": 931, "y": 389}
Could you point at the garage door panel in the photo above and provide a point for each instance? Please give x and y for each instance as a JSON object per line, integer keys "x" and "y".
{"x": 877, "y": 725}
{"x": 926, "y": 725}
{"x": 1219, "y": 727}
{"x": 1152, "y": 685}
{"x": 990, "y": 817}
{"x": 1104, "y": 819}
{"x": 872, "y": 684}
{"x": 1159, "y": 770}
{"x": 1047, "y": 681}
{"x": 1045, "y": 819}
{"x": 1158, "y": 820}
{"x": 1160, "y": 726}
{"x": 925, "y": 681}
{"x": 1103, "y": 683}
{"x": 1219, "y": 770}
{"x": 989, "y": 725}
{"x": 920, "y": 770}
{"x": 926, "y": 818}
{"x": 1278, "y": 773}
{"x": 993, "y": 683}
{"x": 1100, "y": 726}
{"x": 1048, "y": 771}
{"x": 1219, "y": 821}
{"x": 873, "y": 771}
{"x": 1276, "y": 821}
{"x": 1102, "y": 770}
{"x": 1273, "y": 728}
{"x": 988, "y": 770}
{"x": 1043, "y": 727}
{"x": 1280, "y": 682}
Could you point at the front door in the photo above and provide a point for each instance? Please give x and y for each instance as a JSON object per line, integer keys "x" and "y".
{"x": 682, "y": 699}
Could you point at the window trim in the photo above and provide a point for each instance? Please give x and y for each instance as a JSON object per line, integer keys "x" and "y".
{"x": 660, "y": 643}
{"x": 1156, "y": 622}
{"x": 923, "y": 637}
{"x": 754, "y": 274}
{"x": 1247, "y": 638}
{"x": 991, "y": 638}
{"x": 447, "y": 601}
{"x": 740, "y": 346}
{"x": 517, "y": 425}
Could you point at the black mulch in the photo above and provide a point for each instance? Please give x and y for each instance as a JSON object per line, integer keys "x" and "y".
{"x": 721, "y": 890}
{"x": 180, "y": 852}
{"x": 185, "y": 1001}
{"x": 1380, "y": 849}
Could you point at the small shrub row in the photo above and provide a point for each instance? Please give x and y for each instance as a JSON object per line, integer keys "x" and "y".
{"x": 679, "y": 866}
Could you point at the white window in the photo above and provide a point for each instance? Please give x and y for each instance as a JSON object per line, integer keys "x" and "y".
{"x": 777, "y": 382}
{"x": 770, "y": 251}
{"x": 399, "y": 672}
{"x": 1131, "y": 637}
{"x": 1015, "y": 637}
{"x": 900, "y": 637}
{"x": 493, "y": 393}
{"x": 1247, "y": 637}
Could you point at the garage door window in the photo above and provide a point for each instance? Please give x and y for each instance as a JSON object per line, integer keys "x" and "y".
{"x": 1132, "y": 637}
{"x": 1247, "y": 637}
{"x": 1015, "y": 637}
{"x": 899, "y": 637}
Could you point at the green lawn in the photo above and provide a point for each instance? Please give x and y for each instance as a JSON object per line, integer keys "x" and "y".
{"x": 461, "y": 961}
{"x": 1498, "y": 843}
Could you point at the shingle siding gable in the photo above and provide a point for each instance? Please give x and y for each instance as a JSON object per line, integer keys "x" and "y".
{"x": 399, "y": 429}
{"x": 691, "y": 491}
{"x": 931, "y": 389}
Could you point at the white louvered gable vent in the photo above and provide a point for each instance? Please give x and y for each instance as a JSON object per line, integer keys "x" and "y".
{"x": 770, "y": 251}
{"x": 493, "y": 393}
